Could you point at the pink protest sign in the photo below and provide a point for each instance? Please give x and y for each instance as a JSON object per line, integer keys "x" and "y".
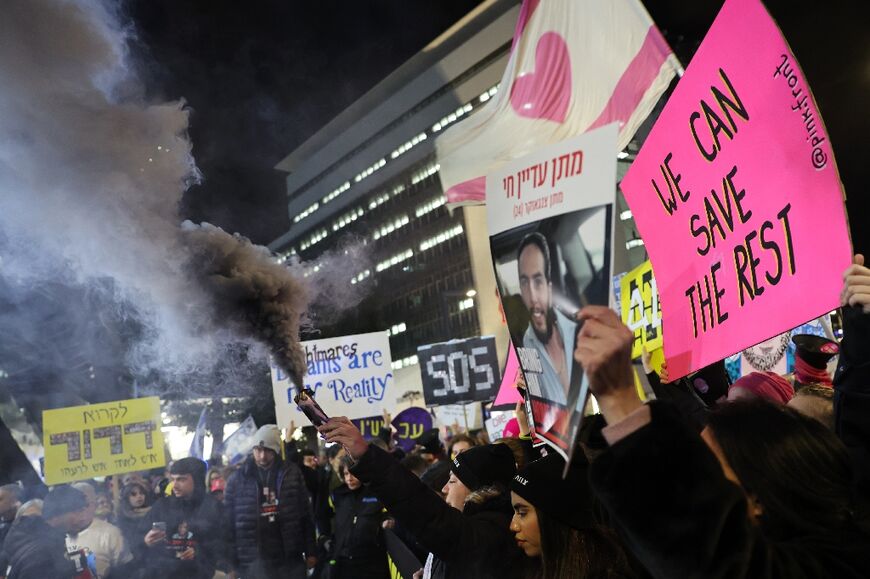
{"x": 737, "y": 196}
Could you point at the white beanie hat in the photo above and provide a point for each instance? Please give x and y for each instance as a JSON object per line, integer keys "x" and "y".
{"x": 268, "y": 436}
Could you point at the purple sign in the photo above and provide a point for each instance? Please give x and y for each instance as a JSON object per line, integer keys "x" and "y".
{"x": 410, "y": 424}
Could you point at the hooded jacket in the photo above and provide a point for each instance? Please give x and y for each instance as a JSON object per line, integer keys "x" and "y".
{"x": 475, "y": 543}
{"x": 206, "y": 533}
{"x": 295, "y": 521}
{"x": 852, "y": 393}
{"x": 37, "y": 550}
{"x": 358, "y": 518}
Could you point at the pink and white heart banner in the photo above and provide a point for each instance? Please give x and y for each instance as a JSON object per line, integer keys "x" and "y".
{"x": 575, "y": 65}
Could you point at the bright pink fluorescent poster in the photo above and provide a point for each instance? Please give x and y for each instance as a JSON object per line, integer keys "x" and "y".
{"x": 737, "y": 196}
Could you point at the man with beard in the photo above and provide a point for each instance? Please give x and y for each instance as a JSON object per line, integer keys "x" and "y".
{"x": 550, "y": 333}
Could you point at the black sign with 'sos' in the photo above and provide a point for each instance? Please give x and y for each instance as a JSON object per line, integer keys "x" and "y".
{"x": 459, "y": 371}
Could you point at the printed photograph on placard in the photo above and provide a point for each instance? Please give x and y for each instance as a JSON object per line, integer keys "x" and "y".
{"x": 546, "y": 272}
{"x": 550, "y": 219}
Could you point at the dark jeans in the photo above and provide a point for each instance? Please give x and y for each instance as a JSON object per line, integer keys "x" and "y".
{"x": 267, "y": 570}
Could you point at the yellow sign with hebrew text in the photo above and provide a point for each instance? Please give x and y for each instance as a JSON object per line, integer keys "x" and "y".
{"x": 83, "y": 442}
{"x": 640, "y": 308}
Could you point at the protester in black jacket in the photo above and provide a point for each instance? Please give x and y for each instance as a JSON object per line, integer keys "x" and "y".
{"x": 36, "y": 545}
{"x": 269, "y": 513}
{"x": 358, "y": 550}
{"x": 852, "y": 379}
{"x": 468, "y": 535}
{"x": 187, "y": 538}
{"x": 766, "y": 492}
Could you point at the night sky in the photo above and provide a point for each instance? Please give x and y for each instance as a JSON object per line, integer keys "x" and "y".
{"x": 262, "y": 76}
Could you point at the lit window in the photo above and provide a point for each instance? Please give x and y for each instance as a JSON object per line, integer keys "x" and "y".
{"x": 360, "y": 276}
{"x": 431, "y": 206}
{"x": 466, "y": 304}
{"x": 396, "y": 259}
{"x": 485, "y": 96}
{"x": 408, "y": 146}
{"x": 347, "y": 218}
{"x": 380, "y": 163}
{"x": 387, "y": 229}
{"x": 405, "y": 362}
{"x": 452, "y": 117}
{"x": 315, "y": 238}
{"x": 344, "y": 187}
{"x": 441, "y": 238}
{"x": 398, "y": 189}
{"x": 632, "y": 243}
{"x": 424, "y": 173}
{"x": 378, "y": 200}
{"x": 625, "y": 215}
{"x": 397, "y": 329}
{"x": 306, "y": 213}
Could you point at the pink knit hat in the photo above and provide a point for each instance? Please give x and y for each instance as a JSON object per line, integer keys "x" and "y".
{"x": 767, "y": 385}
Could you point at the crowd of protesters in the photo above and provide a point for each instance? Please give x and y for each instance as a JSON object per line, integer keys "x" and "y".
{"x": 766, "y": 477}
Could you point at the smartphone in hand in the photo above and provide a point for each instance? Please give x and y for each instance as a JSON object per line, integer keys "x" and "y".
{"x": 308, "y": 405}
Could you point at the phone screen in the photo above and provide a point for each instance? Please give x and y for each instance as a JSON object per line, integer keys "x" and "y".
{"x": 306, "y": 403}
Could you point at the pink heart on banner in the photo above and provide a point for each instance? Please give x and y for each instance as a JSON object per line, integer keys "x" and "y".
{"x": 545, "y": 93}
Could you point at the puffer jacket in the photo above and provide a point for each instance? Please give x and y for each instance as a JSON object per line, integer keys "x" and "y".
{"x": 36, "y": 550}
{"x": 475, "y": 543}
{"x": 295, "y": 519}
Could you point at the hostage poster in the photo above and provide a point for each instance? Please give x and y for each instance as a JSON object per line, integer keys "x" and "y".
{"x": 550, "y": 224}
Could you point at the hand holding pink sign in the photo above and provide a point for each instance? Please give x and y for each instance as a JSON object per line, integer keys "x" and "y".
{"x": 731, "y": 191}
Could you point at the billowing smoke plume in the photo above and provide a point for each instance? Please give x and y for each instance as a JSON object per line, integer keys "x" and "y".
{"x": 91, "y": 177}
{"x": 250, "y": 294}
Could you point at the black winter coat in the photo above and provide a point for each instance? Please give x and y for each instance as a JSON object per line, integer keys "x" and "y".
{"x": 36, "y": 550}
{"x": 691, "y": 522}
{"x": 358, "y": 533}
{"x": 477, "y": 543}
{"x": 242, "y": 498}
{"x": 852, "y": 393}
{"x": 205, "y": 520}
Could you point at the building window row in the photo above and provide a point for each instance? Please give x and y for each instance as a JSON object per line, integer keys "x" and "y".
{"x": 397, "y": 329}
{"x": 431, "y": 205}
{"x": 441, "y": 237}
{"x": 486, "y": 95}
{"x": 315, "y": 238}
{"x": 348, "y": 218}
{"x": 360, "y": 276}
{"x": 306, "y": 213}
{"x": 452, "y": 117}
{"x": 336, "y": 192}
{"x": 378, "y": 200}
{"x": 408, "y": 146}
{"x": 387, "y": 229}
{"x": 368, "y": 172}
{"x": 425, "y": 173}
{"x": 396, "y": 259}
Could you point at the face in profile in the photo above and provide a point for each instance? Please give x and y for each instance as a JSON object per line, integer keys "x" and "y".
{"x": 524, "y": 525}
{"x": 536, "y": 290}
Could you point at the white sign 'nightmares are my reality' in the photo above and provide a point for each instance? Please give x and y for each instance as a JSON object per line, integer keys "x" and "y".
{"x": 350, "y": 376}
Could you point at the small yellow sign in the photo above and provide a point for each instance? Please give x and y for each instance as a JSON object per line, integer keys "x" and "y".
{"x": 640, "y": 308}
{"x": 83, "y": 442}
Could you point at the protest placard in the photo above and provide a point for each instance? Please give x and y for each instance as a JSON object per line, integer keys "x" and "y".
{"x": 737, "y": 197}
{"x": 639, "y": 307}
{"x": 459, "y": 371}
{"x": 83, "y": 442}
{"x": 350, "y": 376}
{"x": 550, "y": 224}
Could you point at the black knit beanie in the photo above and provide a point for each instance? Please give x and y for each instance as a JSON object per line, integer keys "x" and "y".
{"x": 567, "y": 500}
{"x": 62, "y": 500}
{"x": 484, "y": 465}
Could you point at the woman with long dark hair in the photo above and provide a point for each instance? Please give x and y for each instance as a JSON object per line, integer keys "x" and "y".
{"x": 764, "y": 492}
{"x": 554, "y": 524}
